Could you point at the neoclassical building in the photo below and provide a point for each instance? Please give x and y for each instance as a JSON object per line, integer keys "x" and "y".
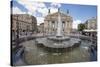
{"x": 51, "y": 21}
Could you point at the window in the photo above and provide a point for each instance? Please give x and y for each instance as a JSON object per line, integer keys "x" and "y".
{"x": 53, "y": 24}
{"x": 63, "y": 25}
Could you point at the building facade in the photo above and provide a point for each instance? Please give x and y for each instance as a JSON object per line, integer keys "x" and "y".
{"x": 41, "y": 28}
{"x": 91, "y": 27}
{"x": 91, "y": 24}
{"x": 23, "y": 24}
{"x": 51, "y": 23}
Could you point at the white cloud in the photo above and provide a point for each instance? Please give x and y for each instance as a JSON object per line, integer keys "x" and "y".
{"x": 30, "y": 13}
{"x": 56, "y": 5}
{"x": 32, "y": 6}
{"x": 16, "y": 10}
{"x": 75, "y": 23}
{"x": 28, "y": 4}
{"x": 53, "y": 10}
{"x": 40, "y": 20}
{"x": 40, "y": 7}
{"x": 44, "y": 11}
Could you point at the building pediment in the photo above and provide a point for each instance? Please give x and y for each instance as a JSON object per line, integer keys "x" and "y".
{"x": 54, "y": 16}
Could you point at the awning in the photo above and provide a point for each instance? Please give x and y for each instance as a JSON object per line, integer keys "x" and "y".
{"x": 86, "y": 30}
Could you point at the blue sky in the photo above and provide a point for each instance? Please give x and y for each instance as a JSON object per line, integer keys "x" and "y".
{"x": 80, "y": 13}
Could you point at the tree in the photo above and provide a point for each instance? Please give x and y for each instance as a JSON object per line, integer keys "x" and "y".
{"x": 81, "y": 27}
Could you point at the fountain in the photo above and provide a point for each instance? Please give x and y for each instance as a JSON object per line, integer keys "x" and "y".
{"x": 59, "y": 41}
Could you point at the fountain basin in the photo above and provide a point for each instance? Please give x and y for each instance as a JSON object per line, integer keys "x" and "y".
{"x": 59, "y": 43}
{"x": 57, "y": 39}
